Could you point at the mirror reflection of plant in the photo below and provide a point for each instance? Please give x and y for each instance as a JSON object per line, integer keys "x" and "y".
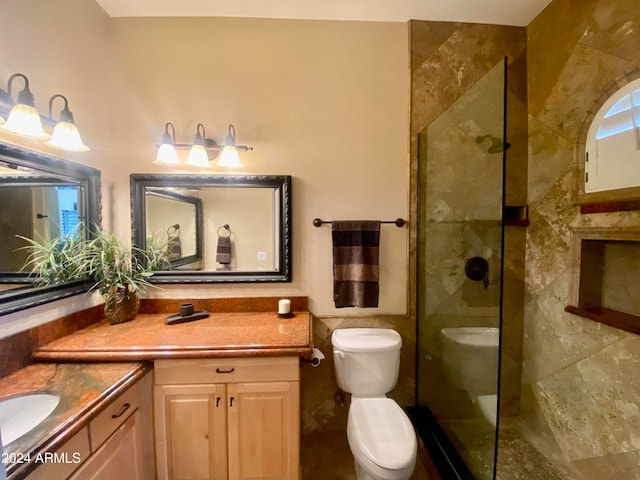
{"x": 56, "y": 260}
{"x": 104, "y": 258}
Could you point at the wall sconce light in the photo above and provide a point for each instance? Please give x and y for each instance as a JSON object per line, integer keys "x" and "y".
{"x": 23, "y": 119}
{"x": 202, "y": 151}
{"x": 65, "y": 134}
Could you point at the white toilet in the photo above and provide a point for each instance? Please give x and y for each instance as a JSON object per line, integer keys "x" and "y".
{"x": 380, "y": 434}
{"x": 470, "y": 362}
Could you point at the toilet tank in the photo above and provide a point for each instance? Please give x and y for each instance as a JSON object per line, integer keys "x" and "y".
{"x": 366, "y": 360}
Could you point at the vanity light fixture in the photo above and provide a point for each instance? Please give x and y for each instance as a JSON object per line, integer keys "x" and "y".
{"x": 167, "y": 154}
{"x": 202, "y": 151}
{"x": 198, "y": 156}
{"x": 23, "y": 119}
{"x": 229, "y": 157}
{"x": 65, "y": 134}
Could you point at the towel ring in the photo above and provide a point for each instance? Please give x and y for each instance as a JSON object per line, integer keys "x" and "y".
{"x": 175, "y": 228}
{"x": 225, "y": 227}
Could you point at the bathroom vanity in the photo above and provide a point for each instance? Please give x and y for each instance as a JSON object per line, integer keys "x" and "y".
{"x": 102, "y": 419}
{"x": 226, "y": 401}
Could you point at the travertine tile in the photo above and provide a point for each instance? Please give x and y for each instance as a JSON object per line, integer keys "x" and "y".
{"x": 555, "y": 339}
{"x": 615, "y": 28}
{"x": 592, "y": 405}
{"x": 551, "y": 38}
{"x": 550, "y": 155}
{"x": 577, "y": 88}
{"x": 548, "y": 255}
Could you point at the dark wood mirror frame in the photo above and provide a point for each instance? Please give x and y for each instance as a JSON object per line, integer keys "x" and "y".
{"x": 281, "y": 184}
{"x": 89, "y": 180}
{"x": 197, "y": 205}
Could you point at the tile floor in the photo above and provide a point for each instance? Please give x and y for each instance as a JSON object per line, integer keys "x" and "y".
{"x": 326, "y": 456}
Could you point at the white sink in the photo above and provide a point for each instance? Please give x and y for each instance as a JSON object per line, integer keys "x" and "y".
{"x": 19, "y": 415}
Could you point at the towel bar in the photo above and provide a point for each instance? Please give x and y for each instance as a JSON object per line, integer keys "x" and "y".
{"x": 399, "y": 222}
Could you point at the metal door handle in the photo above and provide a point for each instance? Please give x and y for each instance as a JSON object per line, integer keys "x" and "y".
{"x": 124, "y": 408}
{"x": 225, "y": 371}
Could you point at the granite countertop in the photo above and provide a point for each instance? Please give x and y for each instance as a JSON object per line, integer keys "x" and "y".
{"x": 84, "y": 390}
{"x": 147, "y": 337}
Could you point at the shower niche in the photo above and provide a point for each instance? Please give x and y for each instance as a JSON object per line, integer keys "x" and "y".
{"x": 606, "y": 267}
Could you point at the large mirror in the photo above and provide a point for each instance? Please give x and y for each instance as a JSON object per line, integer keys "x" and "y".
{"x": 215, "y": 228}
{"x": 41, "y": 197}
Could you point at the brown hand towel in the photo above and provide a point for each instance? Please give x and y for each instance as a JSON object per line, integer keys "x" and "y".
{"x": 355, "y": 263}
{"x": 223, "y": 250}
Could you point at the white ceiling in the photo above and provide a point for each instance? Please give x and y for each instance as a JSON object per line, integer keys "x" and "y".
{"x": 499, "y": 12}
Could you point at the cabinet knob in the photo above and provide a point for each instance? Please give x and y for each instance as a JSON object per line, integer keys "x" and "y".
{"x": 231, "y": 401}
{"x": 217, "y": 401}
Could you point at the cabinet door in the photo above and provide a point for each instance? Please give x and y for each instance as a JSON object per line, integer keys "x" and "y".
{"x": 191, "y": 432}
{"x": 119, "y": 457}
{"x": 264, "y": 430}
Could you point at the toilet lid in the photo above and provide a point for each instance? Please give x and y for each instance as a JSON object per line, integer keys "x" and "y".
{"x": 379, "y": 430}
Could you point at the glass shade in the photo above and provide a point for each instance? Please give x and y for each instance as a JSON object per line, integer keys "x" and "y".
{"x": 67, "y": 137}
{"x": 167, "y": 155}
{"x": 229, "y": 157}
{"x": 198, "y": 156}
{"x": 25, "y": 120}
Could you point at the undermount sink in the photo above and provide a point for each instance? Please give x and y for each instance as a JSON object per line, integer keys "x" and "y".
{"x": 19, "y": 415}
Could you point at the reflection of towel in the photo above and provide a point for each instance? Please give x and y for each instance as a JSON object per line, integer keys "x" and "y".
{"x": 223, "y": 252}
{"x": 355, "y": 263}
{"x": 174, "y": 246}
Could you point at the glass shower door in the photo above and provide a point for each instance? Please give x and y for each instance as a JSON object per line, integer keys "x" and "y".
{"x": 460, "y": 238}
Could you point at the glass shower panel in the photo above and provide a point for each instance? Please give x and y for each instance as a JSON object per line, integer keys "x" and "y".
{"x": 460, "y": 270}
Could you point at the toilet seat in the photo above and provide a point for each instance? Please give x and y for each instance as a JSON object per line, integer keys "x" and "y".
{"x": 381, "y": 437}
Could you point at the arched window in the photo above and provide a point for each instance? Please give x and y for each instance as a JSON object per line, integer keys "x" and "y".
{"x": 612, "y": 157}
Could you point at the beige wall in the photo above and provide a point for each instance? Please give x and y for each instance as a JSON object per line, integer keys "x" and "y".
{"x": 62, "y": 47}
{"x": 325, "y": 102}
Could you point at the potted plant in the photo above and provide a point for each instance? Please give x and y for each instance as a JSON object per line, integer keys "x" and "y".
{"x": 119, "y": 273}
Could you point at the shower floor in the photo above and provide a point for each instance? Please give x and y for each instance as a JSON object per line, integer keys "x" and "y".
{"x": 473, "y": 439}
{"x": 518, "y": 459}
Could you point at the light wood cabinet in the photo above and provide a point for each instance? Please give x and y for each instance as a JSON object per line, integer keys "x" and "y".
{"x": 120, "y": 457}
{"x": 229, "y": 419}
{"x": 62, "y": 462}
{"x": 115, "y": 444}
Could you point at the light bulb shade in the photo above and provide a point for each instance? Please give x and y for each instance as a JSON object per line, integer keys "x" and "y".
{"x": 25, "y": 120}
{"x": 167, "y": 155}
{"x": 198, "y": 156}
{"x": 67, "y": 137}
{"x": 229, "y": 157}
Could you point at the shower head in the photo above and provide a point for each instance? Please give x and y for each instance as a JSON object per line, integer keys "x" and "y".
{"x": 496, "y": 144}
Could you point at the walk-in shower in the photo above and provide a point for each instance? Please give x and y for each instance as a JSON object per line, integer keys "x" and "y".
{"x": 460, "y": 244}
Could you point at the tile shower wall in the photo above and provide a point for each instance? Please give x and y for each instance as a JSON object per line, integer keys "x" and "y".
{"x": 580, "y": 378}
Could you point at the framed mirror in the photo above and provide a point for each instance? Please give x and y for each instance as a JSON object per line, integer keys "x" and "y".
{"x": 41, "y": 197}
{"x": 175, "y": 219}
{"x": 216, "y": 228}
